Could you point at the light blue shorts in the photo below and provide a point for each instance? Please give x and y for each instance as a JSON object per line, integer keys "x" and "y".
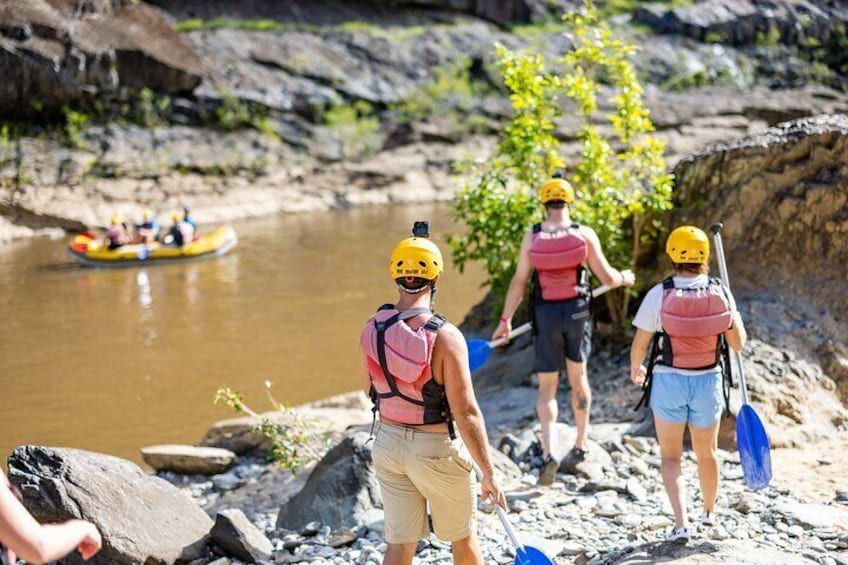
{"x": 696, "y": 399}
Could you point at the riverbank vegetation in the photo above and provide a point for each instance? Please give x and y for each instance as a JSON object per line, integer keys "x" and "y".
{"x": 621, "y": 178}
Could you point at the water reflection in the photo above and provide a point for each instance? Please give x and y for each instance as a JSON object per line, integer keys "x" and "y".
{"x": 117, "y": 358}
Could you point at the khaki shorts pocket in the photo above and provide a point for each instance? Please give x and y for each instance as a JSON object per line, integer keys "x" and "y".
{"x": 450, "y": 464}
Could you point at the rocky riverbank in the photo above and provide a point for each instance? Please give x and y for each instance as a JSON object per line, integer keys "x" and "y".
{"x": 248, "y": 109}
{"x": 609, "y": 509}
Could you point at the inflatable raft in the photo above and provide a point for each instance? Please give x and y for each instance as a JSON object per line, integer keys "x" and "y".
{"x": 89, "y": 251}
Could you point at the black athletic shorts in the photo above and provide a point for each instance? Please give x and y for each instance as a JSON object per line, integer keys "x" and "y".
{"x": 563, "y": 330}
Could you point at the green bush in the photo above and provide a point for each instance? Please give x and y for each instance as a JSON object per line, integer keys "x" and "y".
{"x": 622, "y": 180}
{"x": 357, "y": 126}
{"x": 295, "y": 440}
{"x": 75, "y": 122}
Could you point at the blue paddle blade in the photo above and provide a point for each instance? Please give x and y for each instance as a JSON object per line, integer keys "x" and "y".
{"x": 478, "y": 352}
{"x": 754, "y": 451}
{"x": 529, "y": 555}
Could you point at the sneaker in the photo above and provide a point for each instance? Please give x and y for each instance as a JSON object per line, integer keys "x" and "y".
{"x": 573, "y": 458}
{"x": 678, "y": 535}
{"x": 548, "y": 472}
{"x": 708, "y": 519}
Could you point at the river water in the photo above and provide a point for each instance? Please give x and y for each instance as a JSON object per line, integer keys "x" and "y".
{"x": 112, "y": 360}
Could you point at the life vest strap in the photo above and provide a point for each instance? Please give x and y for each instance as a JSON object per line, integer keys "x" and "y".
{"x": 434, "y": 324}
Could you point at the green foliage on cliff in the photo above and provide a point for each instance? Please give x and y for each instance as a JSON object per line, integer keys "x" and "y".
{"x": 357, "y": 126}
{"x": 621, "y": 178}
{"x": 608, "y": 8}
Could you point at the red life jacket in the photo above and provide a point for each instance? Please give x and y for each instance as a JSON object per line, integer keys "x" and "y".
{"x": 398, "y": 355}
{"x": 558, "y": 259}
{"x": 693, "y": 320}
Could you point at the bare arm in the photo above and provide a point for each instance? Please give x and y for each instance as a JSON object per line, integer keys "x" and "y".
{"x": 517, "y": 286}
{"x": 736, "y": 336}
{"x": 366, "y": 378}
{"x": 600, "y": 266}
{"x": 638, "y": 351}
{"x": 450, "y": 361}
{"x": 39, "y": 544}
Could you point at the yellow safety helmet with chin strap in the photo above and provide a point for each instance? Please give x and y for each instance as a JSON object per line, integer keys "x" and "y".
{"x": 556, "y": 189}
{"x": 688, "y": 244}
{"x": 416, "y": 257}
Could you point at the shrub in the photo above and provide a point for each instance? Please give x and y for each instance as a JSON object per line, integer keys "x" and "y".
{"x": 622, "y": 180}
{"x": 295, "y": 440}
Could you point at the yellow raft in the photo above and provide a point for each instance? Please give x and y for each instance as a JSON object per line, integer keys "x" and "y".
{"x": 90, "y": 252}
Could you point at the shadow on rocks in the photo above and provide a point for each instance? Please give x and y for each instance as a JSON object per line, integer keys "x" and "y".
{"x": 658, "y": 551}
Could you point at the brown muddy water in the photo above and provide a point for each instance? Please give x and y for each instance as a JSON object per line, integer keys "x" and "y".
{"x": 112, "y": 360}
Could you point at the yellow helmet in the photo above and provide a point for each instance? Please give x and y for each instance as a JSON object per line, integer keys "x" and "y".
{"x": 176, "y": 216}
{"x": 556, "y": 189}
{"x": 115, "y": 219}
{"x": 688, "y": 244}
{"x": 146, "y": 214}
{"x": 416, "y": 257}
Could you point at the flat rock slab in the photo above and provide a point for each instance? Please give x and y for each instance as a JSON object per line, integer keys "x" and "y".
{"x": 821, "y": 516}
{"x": 142, "y": 518}
{"x": 709, "y": 553}
{"x": 187, "y": 459}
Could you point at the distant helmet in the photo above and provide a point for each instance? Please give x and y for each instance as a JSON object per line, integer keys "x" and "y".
{"x": 688, "y": 244}
{"x": 556, "y": 189}
{"x": 176, "y": 216}
{"x": 146, "y": 215}
{"x": 416, "y": 257}
{"x": 115, "y": 219}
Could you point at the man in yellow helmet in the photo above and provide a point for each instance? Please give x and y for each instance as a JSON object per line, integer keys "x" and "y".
{"x": 556, "y": 253}
{"x": 148, "y": 229}
{"x": 116, "y": 234}
{"x": 416, "y": 373}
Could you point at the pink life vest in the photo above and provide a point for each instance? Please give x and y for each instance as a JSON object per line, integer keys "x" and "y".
{"x": 557, "y": 258}
{"x": 398, "y": 356}
{"x": 693, "y": 319}
{"x": 117, "y": 235}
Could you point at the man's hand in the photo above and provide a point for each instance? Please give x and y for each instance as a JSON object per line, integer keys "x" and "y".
{"x": 503, "y": 330}
{"x": 92, "y": 542}
{"x": 638, "y": 374}
{"x": 492, "y": 492}
{"x": 627, "y": 278}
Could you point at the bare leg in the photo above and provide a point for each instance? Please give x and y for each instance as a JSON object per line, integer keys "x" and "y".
{"x": 705, "y": 444}
{"x": 547, "y": 410}
{"x": 581, "y": 399}
{"x": 400, "y": 554}
{"x": 670, "y": 436}
{"x": 467, "y": 551}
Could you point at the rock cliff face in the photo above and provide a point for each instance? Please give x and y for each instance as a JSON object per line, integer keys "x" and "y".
{"x": 55, "y": 52}
{"x": 783, "y": 197}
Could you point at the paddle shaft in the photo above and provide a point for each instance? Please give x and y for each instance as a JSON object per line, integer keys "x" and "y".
{"x": 513, "y": 537}
{"x": 725, "y": 279}
{"x": 524, "y": 328}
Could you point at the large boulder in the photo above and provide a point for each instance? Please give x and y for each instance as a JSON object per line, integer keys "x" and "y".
{"x": 54, "y": 52}
{"x": 342, "y": 491}
{"x": 143, "y": 519}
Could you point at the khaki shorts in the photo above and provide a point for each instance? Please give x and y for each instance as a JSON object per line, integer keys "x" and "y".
{"x": 415, "y": 468}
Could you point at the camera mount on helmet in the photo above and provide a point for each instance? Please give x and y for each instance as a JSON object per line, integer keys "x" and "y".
{"x": 421, "y": 228}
